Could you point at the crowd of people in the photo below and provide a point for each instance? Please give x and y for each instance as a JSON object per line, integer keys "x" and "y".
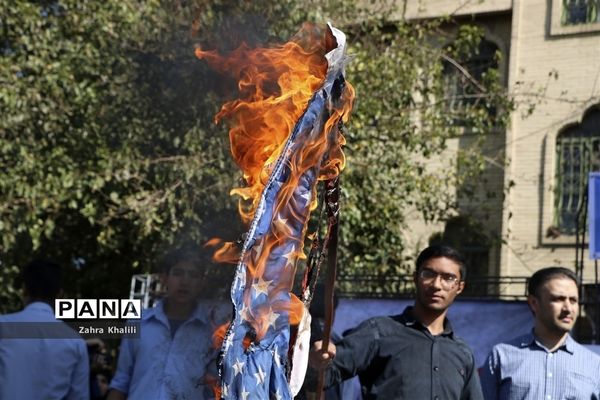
{"x": 413, "y": 355}
{"x": 416, "y": 355}
{"x": 173, "y": 358}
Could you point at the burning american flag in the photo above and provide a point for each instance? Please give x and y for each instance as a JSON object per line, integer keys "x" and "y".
{"x": 285, "y": 135}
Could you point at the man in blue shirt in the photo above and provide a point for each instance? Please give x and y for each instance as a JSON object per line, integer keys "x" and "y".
{"x": 546, "y": 364}
{"x": 41, "y": 367}
{"x": 174, "y": 356}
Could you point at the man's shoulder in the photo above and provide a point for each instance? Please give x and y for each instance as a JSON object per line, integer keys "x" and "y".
{"x": 150, "y": 316}
{"x": 12, "y": 317}
{"x": 217, "y": 311}
{"x": 149, "y": 312}
{"x": 378, "y": 326}
{"x": 34, "y": 312}
{"x": 514, "y": 345}
{"x": 461, "y": 343}
{"x": 386, "y": 320}
{"x": 584, "y": 353}
{"x": 384, "y": 323}
{"x": 518, "y": 341}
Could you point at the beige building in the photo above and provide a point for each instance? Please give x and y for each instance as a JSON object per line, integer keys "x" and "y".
{"x": 551, "y": 59}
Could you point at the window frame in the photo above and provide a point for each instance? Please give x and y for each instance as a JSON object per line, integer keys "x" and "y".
{"x": 452, "y": 76}
{"x": 568, "y": 133}
{"x": 558, "y": 29}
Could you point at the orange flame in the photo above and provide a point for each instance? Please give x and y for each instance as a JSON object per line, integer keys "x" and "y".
{"x": 275, "y": 86}
{"x": 296, "y": 310}
{"x": 219, "y": 335}
{"x": 227, "y": 252}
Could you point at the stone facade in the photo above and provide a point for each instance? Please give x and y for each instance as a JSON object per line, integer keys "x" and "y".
{"x": 536, "y": 54}
{"x": 558, "y": 68}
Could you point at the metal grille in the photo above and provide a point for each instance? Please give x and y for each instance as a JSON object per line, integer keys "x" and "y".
{"x": 459, "y": 89}
{"x": 578, "y": 153}
{"x": 576, "y": 12}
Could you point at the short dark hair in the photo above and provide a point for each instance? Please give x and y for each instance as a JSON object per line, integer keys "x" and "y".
{"x": 441, "y": 250}
{"x": 543, "y": 275}
{"x": 192, "y": 254}
{"x": 42, "y": 280}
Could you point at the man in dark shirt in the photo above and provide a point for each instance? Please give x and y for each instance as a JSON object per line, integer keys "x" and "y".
{"x": 414, "y": 355}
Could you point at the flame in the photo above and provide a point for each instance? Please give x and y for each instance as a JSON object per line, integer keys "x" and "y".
{"x": 275, "y": 85}
{"x": 219, "y": 335}
{"x": 227, "y": 252}
{"x": 296, "y": 310}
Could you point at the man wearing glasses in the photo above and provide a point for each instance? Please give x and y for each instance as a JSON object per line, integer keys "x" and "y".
{"x": 414, "y": 355}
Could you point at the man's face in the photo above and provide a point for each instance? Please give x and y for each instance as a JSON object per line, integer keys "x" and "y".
{"x": 556, "y": 305}
{"x": 438, "y": 282}
{"x": 183, "y": 283}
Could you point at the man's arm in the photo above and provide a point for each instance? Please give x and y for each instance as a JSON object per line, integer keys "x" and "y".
{"x": 119, "y": 384}
{"x": 80, "y": 378}
{"x": 352, "y": 355}
{"x": 490, "y": 375}
{"x": 472, "y": 389}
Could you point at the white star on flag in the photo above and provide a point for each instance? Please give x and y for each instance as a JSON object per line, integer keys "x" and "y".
{"x": 261, "y": 286}
{"x": 225, "y": 390}
{"x": 244, "y": 313}
{"x": 275, "y": 355}
{"x": 245, "y": 394}
{"x": 277, "y": 395}
{"x": 272, "y": 317}
{"x": 237, "y": 367}
{"x": 281, "y": 225}
{"x": 290, "y": 256}
{"x": 257, "y": 248}
{"x": 228, "y": 343}
{"x": 260, "y": 376}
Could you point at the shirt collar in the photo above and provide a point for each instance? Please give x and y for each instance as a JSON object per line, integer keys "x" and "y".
{"x": 529, "y": 340}
{"x": 408, "y": 319}
{"x": 569, "y": 344}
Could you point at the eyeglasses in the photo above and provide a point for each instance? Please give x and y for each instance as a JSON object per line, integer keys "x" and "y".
{"x": 448, "y": 280}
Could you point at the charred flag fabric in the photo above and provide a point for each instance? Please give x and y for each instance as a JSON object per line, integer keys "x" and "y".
{"x": 254, "y": 355}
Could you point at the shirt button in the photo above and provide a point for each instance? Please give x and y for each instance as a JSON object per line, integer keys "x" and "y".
{"x": 549, "y": 397}
{"x": 549, "y": 374}
{"x": 436, "y": 398}
{"x": 435, "y": 368}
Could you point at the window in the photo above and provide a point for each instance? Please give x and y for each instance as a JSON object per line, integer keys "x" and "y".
{"x": 462, "y": 90}
{"x": 572, "y": 17}
{"x": 578, "y": 153}
{"x": 580, "y": 12}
